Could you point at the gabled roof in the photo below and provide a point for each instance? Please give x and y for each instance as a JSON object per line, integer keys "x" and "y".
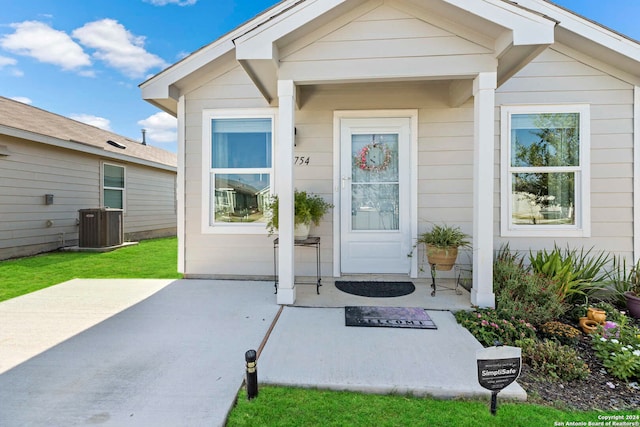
{"x": 27, "y": 122}
{"x": 159, "y": 89}
{"x": 527, "y": 23}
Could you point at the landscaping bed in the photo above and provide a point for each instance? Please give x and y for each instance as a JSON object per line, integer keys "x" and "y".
{"x": 539, "y": 302}
{"x": 599, "y": 390}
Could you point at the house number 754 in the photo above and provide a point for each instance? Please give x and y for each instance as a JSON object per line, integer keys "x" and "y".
{"x": 301, "y": 160}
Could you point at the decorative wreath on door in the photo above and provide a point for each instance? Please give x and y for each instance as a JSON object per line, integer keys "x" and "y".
{"x": 374, "y": 157}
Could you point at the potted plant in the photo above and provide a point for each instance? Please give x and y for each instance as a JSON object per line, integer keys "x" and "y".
{"x": 309, "y": 208}
{"x": 442, "y": 243}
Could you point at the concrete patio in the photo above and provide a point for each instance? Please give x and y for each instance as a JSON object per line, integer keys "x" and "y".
{"x": 149, "y": 352}
{"x": 446, "y": 297}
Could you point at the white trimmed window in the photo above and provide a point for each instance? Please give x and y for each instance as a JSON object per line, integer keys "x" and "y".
{"x": 113, "y": 186}
{"x": 545, "y": 171}
{"x": 238, "y": 169}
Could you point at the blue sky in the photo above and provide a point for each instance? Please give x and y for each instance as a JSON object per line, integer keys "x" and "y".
{"x": 85, "y": 59}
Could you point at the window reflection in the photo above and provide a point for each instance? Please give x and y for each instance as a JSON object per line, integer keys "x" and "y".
{"x": 241, "y": 197}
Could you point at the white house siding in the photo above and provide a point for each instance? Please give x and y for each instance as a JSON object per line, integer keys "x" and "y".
{"x": 555, "y": 77}
{"x": 445, "y": 146}
{"x": 26, "y": 175}
{"x": 385, "y": 36}
{"x": 380, "y": 39}
{"x": 220, "y": 255}
{"x": 32, "y": 170}
{"x": 445, "y": 172}
{"x": 151, "y": 203}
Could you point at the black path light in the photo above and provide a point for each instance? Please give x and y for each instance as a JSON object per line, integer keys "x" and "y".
{"x": 252, "y": 374}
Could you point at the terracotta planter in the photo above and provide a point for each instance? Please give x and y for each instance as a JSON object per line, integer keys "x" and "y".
{"x": 443, "y": 258}
{"x": 633, "y": 304}
{"x": 588, "y": 326}
{"x": 596, "y": 314}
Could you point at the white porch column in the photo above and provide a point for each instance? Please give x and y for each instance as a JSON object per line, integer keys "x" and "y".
{"x": 180, "y": 185}
{"x": 284, "y": 180}
{"x": 484, "y": 87}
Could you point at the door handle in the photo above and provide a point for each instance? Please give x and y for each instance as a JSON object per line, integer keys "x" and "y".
{"x": 344, "y": 179}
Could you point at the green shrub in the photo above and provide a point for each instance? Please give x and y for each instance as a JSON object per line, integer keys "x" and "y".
{"x": 488, "y": 327}
{"x": 524, "y": 295}
{"x": 574, "y": 273}
{"x": 561, "y": 332}
{"x": 553, "y": 359}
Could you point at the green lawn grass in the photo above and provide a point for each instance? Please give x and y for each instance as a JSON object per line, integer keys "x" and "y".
{"x": 156, "y": 258}
{"x": 279, "y": 406}
{"x": 285, "y": 406}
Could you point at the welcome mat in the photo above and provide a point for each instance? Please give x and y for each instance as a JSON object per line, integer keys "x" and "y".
{"x": 388, "y": 317}
{"x": 376, "y": 289}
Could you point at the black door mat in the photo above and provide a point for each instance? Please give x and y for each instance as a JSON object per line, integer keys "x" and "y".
{"x": 376, "y": 289}
{"x": 388, "y": 317}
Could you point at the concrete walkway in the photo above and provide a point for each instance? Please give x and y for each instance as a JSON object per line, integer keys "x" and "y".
{"x": 173, "y": 358}
{"x": 38, "y": 321}
{"x": 171, "y": 353}
{"x": 312, "y": 347}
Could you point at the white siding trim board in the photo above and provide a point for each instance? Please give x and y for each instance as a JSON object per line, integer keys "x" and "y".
{"x": 636, "y": 174}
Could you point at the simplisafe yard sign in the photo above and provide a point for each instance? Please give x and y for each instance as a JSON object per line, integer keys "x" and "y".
{"x": 497, "y": 368}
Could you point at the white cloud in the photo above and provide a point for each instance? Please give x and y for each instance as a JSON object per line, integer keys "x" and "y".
{"x": 117, "y": 47}
{"x": 38, "y": 40}
{"x": 22, "y": 99}
{"x": 4, "y": 61}
{"x": 166, "y": 2}
{"x": 161, "y": 127}
{"x": 8, "y": 63}
{"x": 96, "y": 121}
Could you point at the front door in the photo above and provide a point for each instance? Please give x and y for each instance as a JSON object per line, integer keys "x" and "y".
{"x": 375, "y": 195}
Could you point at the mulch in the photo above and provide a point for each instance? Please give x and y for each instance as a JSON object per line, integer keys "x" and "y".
{"x": 600, "y": 391}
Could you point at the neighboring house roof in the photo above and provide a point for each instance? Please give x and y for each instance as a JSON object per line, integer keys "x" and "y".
{"x": 571, "y": 29}
{"x": 27, "y": 122}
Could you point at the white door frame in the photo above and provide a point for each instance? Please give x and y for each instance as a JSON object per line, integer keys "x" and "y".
{"x": 413, "y": 191}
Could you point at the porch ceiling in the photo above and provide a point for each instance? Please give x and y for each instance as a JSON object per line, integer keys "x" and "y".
{"x": 382, "y": 95}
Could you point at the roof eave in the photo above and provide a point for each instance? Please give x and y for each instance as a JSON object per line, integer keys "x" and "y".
{"x": 578, "y": 31}
{"x": 161, "y": 91}
{"x": 78, "y": 146}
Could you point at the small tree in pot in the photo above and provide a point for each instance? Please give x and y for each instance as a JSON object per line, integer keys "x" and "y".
{"x": 442, "y": 243}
